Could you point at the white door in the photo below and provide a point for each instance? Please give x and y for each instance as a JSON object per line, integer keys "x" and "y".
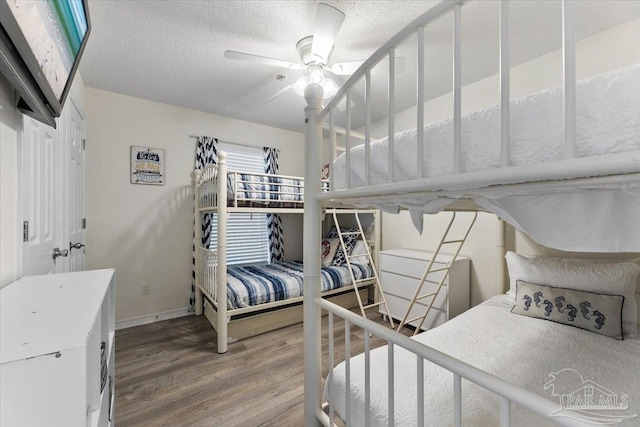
{"x": 39, "y": 196}
{"x": 74, "y": 189}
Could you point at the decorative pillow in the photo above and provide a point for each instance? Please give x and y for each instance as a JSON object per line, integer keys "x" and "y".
{"x": 590, "y": 311}
{"x": 329, "y": 247}
{"x": 608, "y": 279}
{"x": 360, "y": 248}
{"x": 349, "y": 241}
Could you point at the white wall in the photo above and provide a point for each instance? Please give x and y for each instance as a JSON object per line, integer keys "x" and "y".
{"x": 602, "y": 52}
{"x": 145, "y": 232}
{"x": 9, "y": 116}
{"x": 521, "y": 243}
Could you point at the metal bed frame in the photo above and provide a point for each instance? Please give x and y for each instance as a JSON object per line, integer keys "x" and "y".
{"x": 211, "y": 191}
{"x": 559, "y": 176}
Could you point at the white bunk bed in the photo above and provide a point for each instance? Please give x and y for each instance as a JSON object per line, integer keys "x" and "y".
{"x": 242, "y": 301}
{"x": 448, "y": 375}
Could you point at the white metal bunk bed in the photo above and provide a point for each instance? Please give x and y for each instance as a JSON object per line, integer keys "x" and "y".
{"x": 570, "y": 175}
{"x": 241, "y": 301}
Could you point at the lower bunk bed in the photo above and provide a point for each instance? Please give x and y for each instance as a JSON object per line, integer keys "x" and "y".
{"x": 592, "y": 375}
{"x": 548, "y": 359}
{"x": 261, "y": 298}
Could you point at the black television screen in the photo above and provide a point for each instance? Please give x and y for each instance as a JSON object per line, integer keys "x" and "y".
{"x": 43, "y": 43}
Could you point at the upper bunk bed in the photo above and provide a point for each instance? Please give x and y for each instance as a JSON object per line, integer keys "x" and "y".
{"x": 576, "y": 145}
{"x": 561, "y": 163}
{"x": 246, "y": 191}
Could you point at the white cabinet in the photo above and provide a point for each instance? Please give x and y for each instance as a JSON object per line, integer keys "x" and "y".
{"x": 57, "y": 357}
{"x": 400, "y": 274}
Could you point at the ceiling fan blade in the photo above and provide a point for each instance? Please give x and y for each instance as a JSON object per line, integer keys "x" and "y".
{"x": 342, "y": 105}
{"x": 241, "y": 56}
{"x": 280, "y": 92}
{"x": 328, "y": 23}
{"x": 345, "y": 68}
{"x": 350, "y": 67}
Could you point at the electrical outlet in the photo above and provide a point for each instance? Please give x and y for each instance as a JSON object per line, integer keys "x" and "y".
{"x": 146, "y": 289}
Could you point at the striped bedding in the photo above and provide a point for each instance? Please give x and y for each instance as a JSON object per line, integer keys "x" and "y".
{"x": 259, "y": 187}
{"x": 259, "y": 284}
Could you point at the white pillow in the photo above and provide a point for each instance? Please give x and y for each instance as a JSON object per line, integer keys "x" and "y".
{"x": 328, "y": 250}
{"x": 360, "y": 248}
{"x": 583, "y": 261}
{"x": 607, "y": 278}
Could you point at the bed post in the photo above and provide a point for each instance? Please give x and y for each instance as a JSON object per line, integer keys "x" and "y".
{"x": 221, "y": 295}
{"x": 197, "y": 241}
{"x": 312, "y": 233}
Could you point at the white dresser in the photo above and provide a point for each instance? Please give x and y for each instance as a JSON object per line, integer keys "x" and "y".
{"x": 400, "y": 273}
{"x": 57, "y": 357}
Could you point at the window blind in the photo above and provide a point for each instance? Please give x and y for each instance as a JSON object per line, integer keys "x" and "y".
{"x": 247, "y": 233}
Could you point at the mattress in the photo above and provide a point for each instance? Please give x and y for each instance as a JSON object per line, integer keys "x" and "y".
{"x": 608, "y": 121}
{"x": 258, "y": 284}
{"x": 531, "y": 353}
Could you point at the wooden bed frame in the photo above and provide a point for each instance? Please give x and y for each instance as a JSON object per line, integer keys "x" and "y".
{"x": 557, "y": 176}
{"x": 210, "y": 188}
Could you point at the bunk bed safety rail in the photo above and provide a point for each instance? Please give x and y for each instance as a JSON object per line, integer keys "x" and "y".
{"x": 251, "y": 187}
{"x": 263, "y": 187}
{"x": 388, "y": 51}
{"x": 508, "y": 392}
{"x": 207, "y": 271}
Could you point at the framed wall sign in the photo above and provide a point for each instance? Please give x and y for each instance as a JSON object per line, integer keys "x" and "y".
{"x": 147, "y": 165}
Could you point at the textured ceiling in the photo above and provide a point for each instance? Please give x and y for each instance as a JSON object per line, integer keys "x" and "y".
{"x": 171, "y": 51}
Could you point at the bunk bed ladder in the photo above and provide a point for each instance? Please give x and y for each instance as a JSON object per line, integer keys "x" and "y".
{"x": 444, "y": 240}
{"x": 381, "y": 301}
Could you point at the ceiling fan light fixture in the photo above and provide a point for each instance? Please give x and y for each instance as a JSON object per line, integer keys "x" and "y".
{"x": 329, "y": 87}
{"x": 301, "y": 84}
{"x": 315, "y": 75}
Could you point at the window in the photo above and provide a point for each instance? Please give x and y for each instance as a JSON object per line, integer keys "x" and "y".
{"x": 247, "y": 233}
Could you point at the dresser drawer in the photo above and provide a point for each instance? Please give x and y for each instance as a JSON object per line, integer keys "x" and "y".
{"x": 405, "y": 287}
{"x": 398, "y": 305}
{"x": 410, "y": 267}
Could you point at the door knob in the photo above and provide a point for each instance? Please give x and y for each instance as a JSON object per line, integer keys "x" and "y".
{"x": 57, "y": 252}
{"x": 75, "y": 245}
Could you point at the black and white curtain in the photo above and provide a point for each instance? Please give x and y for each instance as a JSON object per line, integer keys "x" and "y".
{"x": 206, "y": 154}
{"x": 274, "y": 222}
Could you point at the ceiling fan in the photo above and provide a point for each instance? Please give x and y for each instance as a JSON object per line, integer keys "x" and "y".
{"x": 314, "y": 52}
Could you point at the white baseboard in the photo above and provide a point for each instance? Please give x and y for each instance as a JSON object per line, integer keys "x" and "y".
{"x": 151, "y": 318}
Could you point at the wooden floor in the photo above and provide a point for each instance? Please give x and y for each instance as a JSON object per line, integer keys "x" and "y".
{"x": 169, "y": 374}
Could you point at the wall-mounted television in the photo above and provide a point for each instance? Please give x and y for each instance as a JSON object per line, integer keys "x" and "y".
{"x": 41, "y": 43}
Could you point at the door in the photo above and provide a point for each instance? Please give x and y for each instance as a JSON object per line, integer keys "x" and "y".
{"x": 52, "y": 192}
{"x": 74, "y": 189}
{"x": 39, "y": 197}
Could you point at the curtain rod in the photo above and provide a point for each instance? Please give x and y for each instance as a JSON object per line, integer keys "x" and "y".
{"x": 234, "y": 143}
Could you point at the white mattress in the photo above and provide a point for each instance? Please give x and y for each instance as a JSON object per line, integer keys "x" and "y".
{"x": 519, "y": 349}
{"x": 608, "y": 121}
